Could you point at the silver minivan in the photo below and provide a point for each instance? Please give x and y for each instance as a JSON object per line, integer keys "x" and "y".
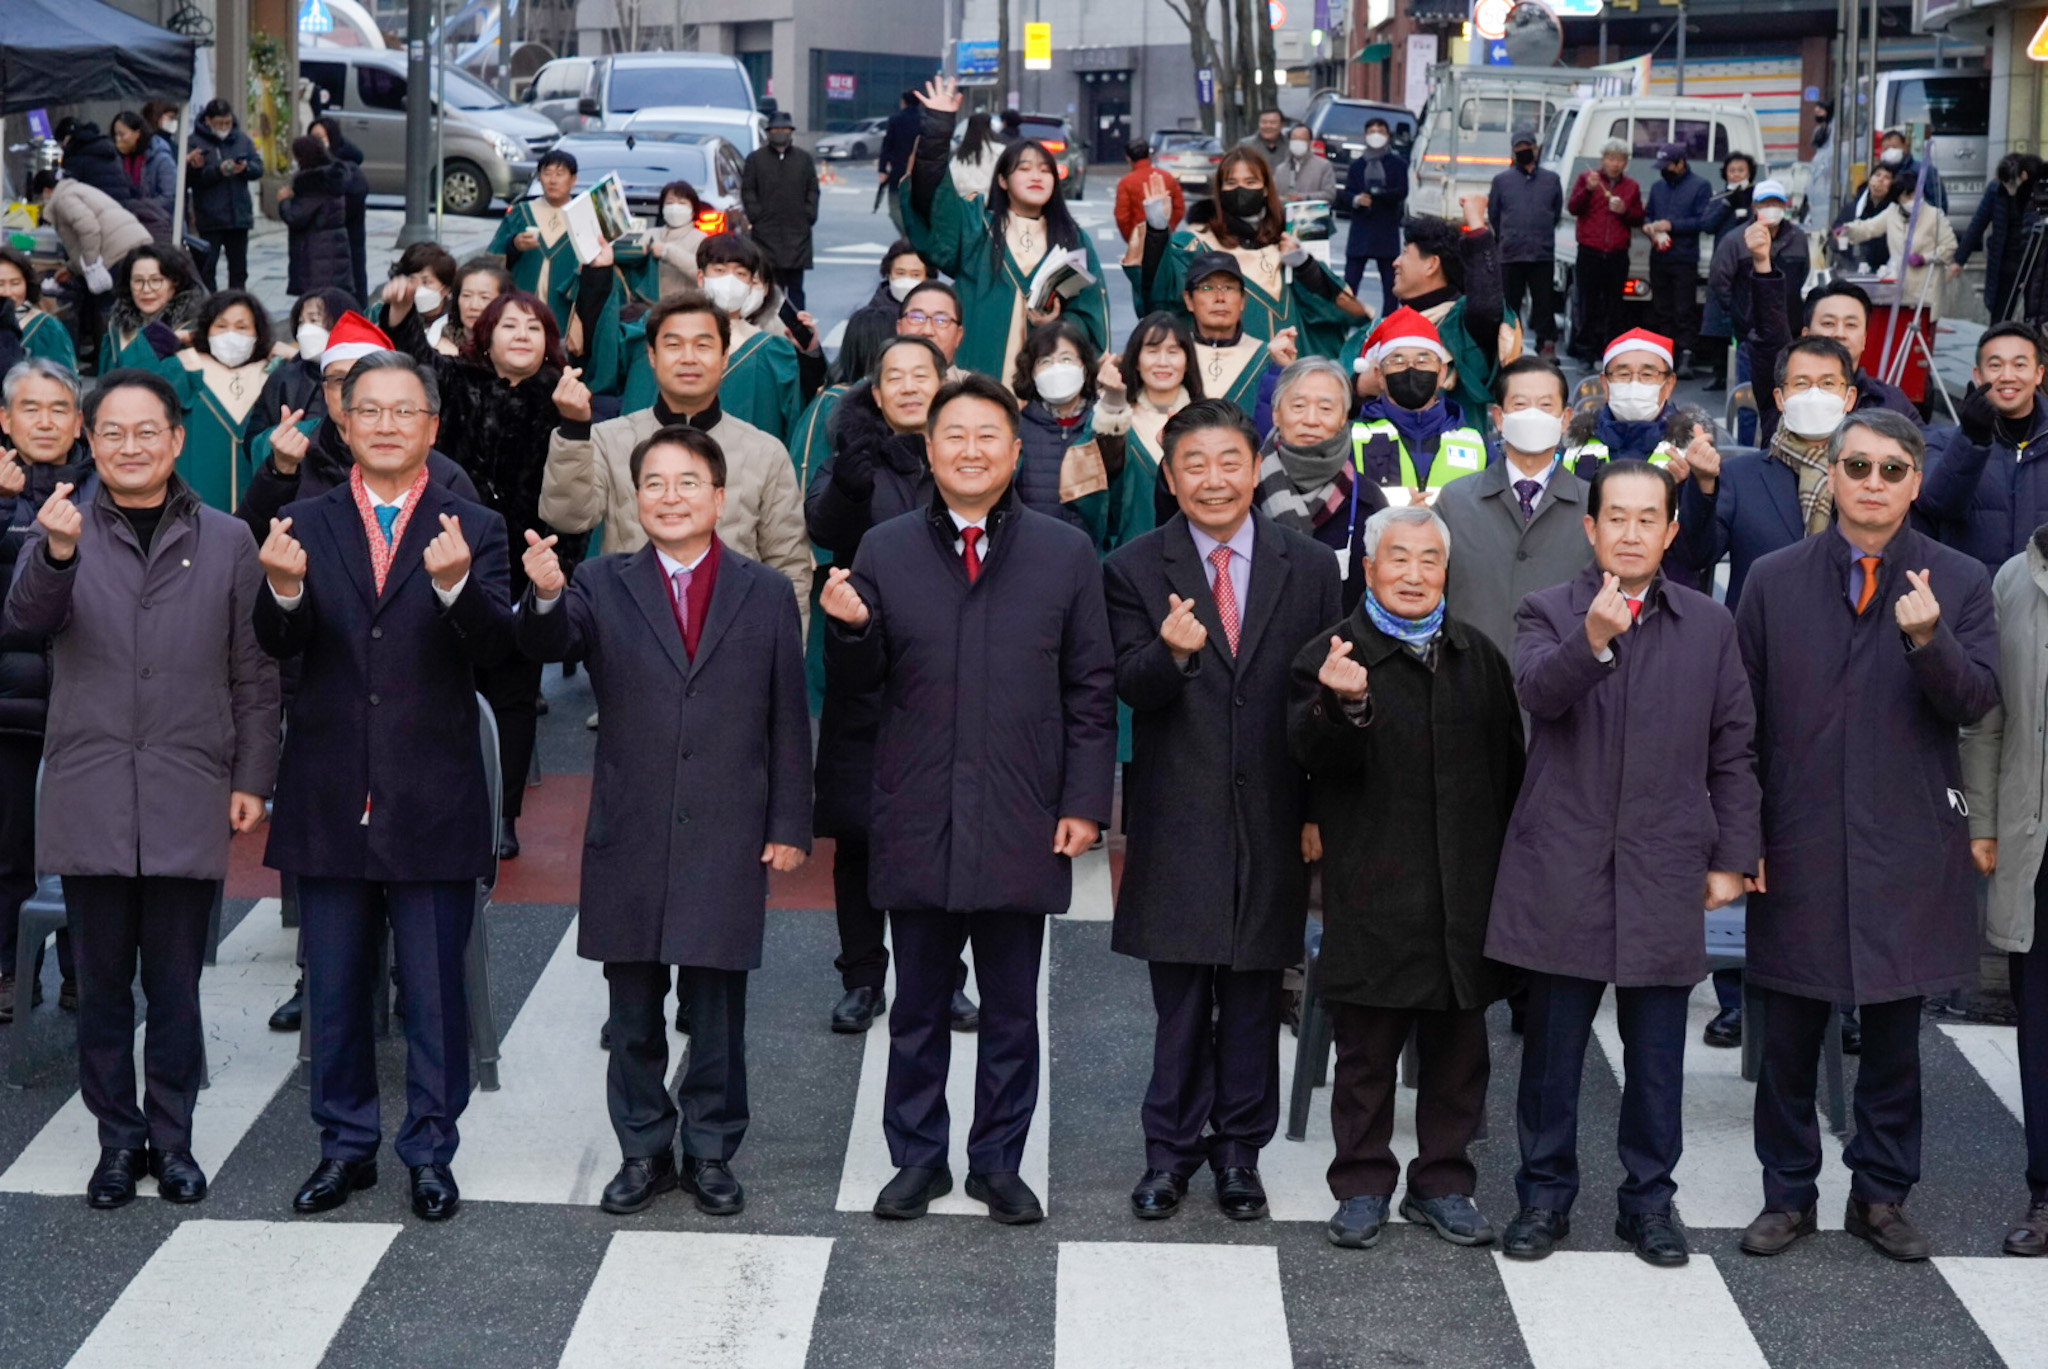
{"x": 582, "y": 94}
{"x": 489, "y": 146}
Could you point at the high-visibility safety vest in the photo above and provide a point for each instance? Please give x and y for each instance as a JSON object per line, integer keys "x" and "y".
{"x": 1596, "y": 450}
{"x": 1459, "y": 452}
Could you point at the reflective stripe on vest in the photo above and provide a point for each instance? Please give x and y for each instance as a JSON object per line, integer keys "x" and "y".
{"x": 1598, "y": 450}
{"x": 1459, "y": 452}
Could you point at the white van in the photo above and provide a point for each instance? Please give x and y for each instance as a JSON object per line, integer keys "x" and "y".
{"x": 583, "y": 94}
{"x": 1952, "y": 106}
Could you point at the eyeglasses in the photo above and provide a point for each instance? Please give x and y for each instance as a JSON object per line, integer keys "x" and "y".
{"x": 1857, "y": 468}
{"x": 920, "y": 317}
{"x": 1219, "y": 287}
{"x": 1833, "y": 385}
{"x": 1395, "y": 365}
{"x": 1649, "y": 375}
{"x": 147, "y": 282}
{"x": 399, "y": 413}
{"x": 682, "y": 484}
{"x": 146, "y": 435}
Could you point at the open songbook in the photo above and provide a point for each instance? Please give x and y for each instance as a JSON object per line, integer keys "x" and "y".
{"x": 1065, "y": 274}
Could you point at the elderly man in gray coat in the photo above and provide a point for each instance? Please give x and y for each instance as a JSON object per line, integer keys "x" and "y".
{"x": 162, "y": 742}
{"x": 1301, "y": 172}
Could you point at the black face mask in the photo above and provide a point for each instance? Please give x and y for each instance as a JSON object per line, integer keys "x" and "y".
{"x": 1673, "y": 176}
{"x": 1411, "y": 389}
{"x": 780, "y": 138}
{"x": 1244, "y": 202}
{"x": 1525, "y": 157}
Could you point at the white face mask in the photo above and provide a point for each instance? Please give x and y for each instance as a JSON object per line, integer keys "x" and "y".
{"x": 1531, "y": 430}
{"x": 901, "y": 286}
{"x": 1058, "y": 381}
{"x": 756, "y": 296}
{"x": 169, "y": 125}
{"x": 727, "y": 292}
{"x": 1892, "y": 156}
{"x": 1814, "y": 413}
{"x": 676, "y": 215}
{"x": 1771, "y": 215}
{"x": 1635, "y": 402}
{"x": 231, "y": 349}
{"x": 1737, "y": 185}
{"x": 1298, "y": 148}
{"x": 312, "y": 340}
{"x": 1375, "y": 141}
{"x": 427, "y": 299}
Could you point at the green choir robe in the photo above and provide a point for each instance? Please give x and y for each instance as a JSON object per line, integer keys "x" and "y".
{"x": 761, "y": 384}
{"x": 217, "y": 399}
{"x": 548, "y": 270}
{"x": 44, "y": 335}
{"x": 1275, "y": 298}
{"x": 117, "y": 351}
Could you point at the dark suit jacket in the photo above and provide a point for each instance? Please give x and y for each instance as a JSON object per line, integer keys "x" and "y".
{"x": 386, "y": 708}
{"x": 701, "y": 761}
{"x": 1213, "y": 802}
{"x": 1753, "y": 511}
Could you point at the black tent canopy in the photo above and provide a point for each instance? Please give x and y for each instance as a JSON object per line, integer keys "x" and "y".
{"x": 69, "y": 52}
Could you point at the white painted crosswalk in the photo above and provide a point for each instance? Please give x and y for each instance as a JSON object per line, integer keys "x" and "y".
{"x": 689, "y": 1300}
{"x": 1296, "y": 1173}
{"x": 1124, "y": 1305}
{"x": 1994, "y": 1052}
{"x": 2005, "y": 1297}
{"x": 1580, "y": 1310}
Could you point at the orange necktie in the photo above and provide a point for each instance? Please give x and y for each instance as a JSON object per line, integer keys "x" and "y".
{"x": 1869, "y": 564}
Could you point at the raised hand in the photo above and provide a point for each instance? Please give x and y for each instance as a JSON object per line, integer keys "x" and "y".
{"x": 288, "y": 446}
{"x": 1109, "y": 376}
{"x": 1918, "y": 611}
{"x": 1475, "y": 210}
{"x": 841, "y": 600}
{"x": 1608, "y": 616}
{"x": 397, "y": 296}
{"x": 1340, "y": 674}
{"x": 1284, "y": 347}
{"x": 1182, "y": 632}
{"x": 13, "y": 476}
{"x": 283, "y": 560}
{"x": 447, "y": 558}
{"x": 61, "y": 523}
{"x": 941, "y": 93}
{"x": 1757, "y": 238}
{"x": 1701, "y": 455}
{"x": 572, "y": 396}
{"x": 543, "y": 567}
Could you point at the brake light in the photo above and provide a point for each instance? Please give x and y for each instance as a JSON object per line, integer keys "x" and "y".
{"x": 1635, "y": 289}
{"x": 1317, "y": 145}
{"x": 1215, "y": 158}
{"x": 1061, "y": 169}
{"x": 1053, "y": 145}
{"x": 710, "y": 221}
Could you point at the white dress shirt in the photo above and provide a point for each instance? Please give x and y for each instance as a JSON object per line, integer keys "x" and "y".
{"x": 446, "y": 596}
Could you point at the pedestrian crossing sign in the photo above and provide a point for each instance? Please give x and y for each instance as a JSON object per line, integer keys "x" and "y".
{"x": 315, "y": 17}
{"x": 2037, "y": 46}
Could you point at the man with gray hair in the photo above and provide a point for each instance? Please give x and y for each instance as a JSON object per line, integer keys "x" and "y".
{"x": 1307, "y": 479}
{"x": 1412, "y": 815}
{"x": 1608, "y": 205}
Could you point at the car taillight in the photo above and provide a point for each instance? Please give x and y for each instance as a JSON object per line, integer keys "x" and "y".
{"x": 1053, "y": 145}
{"x": 1215, "y": 158}
{"x": 1317, "y": 145}
{"x": 710, "y": 221}
{"x": 1061, "y": 168}
{"x": 1635, "y": 289}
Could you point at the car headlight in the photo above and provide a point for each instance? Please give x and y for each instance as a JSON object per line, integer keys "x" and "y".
{"x": 509, "y": 148}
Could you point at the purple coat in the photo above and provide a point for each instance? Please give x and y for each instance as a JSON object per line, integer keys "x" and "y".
{"x": 1640, "y": 780}
{"x": 1871, "y": 894}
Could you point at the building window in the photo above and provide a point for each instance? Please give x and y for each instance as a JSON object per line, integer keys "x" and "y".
{"x": 850, "y": 87}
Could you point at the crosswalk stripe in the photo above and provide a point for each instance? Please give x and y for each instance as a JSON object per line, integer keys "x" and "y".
{"x": 2005, "y": 1297}
{"x": 1093, "y": 900}
{"x": 693, "y": 1300}
{"x": 546, "y": 1136}
{"x": 1994, "y": 1053}
{"x": 247, "y": 1062}
{"x": 1720, "y": 1183}
{"x": 258, "y": 1295}
{"x": 1582, "y": 1310}
{"x": 1296, "y": 1173}
{"x": 1126, "y": 1305}
{"x": 868, "y": 1166}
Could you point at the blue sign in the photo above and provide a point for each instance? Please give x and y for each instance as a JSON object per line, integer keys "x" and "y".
{"x": 1576, "y": 9}
{"x": 1497, "y": 53}
{"x": 1205, "y": 85}
{"x": 977, "y": 59}
{"x": 314, "y": 17}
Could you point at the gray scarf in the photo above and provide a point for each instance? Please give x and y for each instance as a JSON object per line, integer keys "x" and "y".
{"x": 1303, "y": 486}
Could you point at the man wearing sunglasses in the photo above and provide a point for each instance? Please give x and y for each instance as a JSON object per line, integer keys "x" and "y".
{"x": 1867, "y": 647}
{"x": 1985, "y": 491}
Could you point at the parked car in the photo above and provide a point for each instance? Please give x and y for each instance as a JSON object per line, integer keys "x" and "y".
{"x": 581, "y": 94}
{"x": 744, "y": 129}
{"x": 858, "y": 143}
{"x": 1069, "y": 157}
{"x": 1337, "y": 126}
{"x": 489, "y": 146}
{"x": 645, "y": 162}
{"x": 1189, "y": 157}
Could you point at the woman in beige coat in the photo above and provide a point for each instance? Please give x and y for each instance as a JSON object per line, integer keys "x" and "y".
{"x": 1918, "y": 266}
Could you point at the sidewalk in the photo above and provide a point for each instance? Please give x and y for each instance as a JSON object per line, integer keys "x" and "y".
{"x": 463, "y": 236}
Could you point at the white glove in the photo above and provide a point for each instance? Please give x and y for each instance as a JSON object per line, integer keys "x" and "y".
{"x": 98, "y": 279}
{"x": 1156, "y": 211}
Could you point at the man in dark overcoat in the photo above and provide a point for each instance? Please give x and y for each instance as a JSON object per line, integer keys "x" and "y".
{"x": 983, "y": 625}
{"x": 392, "y": 591}
{"x": 1408, "y": 719}
{"x": 1867, "y": 647}
{"x": 779, "y": 190}
{"x": 1207, "y": 612}
{"x": 703, "y": 786}
{"x": 1638, "y": 808}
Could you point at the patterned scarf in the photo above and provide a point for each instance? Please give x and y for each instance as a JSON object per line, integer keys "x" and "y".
{"x": 1301, "y": 487}
{"x": 381, "y": 552}
{"x": 1413, "y": 633}
{"x": 1808, "y": 461}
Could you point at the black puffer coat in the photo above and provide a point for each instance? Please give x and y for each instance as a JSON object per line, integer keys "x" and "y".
{"x": 316, "y": 221}
{"x": 221, "y": 199}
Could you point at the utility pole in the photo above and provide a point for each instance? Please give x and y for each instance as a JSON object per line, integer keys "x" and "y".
{"x": 1681, "y": 49}
{"x": 419, "y": 124}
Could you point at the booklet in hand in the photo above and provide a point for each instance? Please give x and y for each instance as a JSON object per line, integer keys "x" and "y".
{"x": 1064, "y": 274}
{"x": 596, "y": 217}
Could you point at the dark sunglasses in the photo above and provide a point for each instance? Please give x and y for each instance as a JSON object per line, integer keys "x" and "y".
{"x": 1858, "y": 468}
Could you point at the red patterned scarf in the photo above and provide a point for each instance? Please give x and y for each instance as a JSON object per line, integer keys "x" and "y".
{"x": 382, "y": 552}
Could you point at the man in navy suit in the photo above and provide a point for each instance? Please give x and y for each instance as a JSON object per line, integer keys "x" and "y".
{"x": 703, "y": 786}
{"x": 381, "y": 798}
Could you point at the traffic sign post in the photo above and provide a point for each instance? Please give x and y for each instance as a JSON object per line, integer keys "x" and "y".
{"x": 1038, "y": 47}
{"x": 1205, "y": 85}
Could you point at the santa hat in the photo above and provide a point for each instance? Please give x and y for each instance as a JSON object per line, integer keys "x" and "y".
{"x": 1638, "y": 340}
{"x": 352, "y": 338}
{"x": 1403, "y": 328}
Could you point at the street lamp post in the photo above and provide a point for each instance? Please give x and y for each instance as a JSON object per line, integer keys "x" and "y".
{"x": 419, "y": 128}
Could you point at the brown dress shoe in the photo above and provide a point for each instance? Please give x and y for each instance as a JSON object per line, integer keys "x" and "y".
{"x": 1886, "y": 1226}
{"x": 2029, "y": 1235}
{"x": 1772, "y": 1233}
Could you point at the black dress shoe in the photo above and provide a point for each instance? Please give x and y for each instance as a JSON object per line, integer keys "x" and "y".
{"x": 1534, "y": 1233}
{"x": 1010, "y": 1200}
{"x": 435, "y": 1198}
{"x": 908, "y": 1194}
{"x": 332, "y": 1181}
{"x": 718, "y": 1193}
{"x": 1725, "y": 1030}
{"x": 114, "y": 1178}
{"x": 179, "y": 1179}
{"x": 1655, "y": 1236}
{"x": 966, "y": 1017}
{"x": 67, "y": 995}
{"x": 682, "y": 1015}
{"x": 638, "y": 1183}
{"x": 1852, "y": 1036}
{"x": 1158, "y": 1194}
{"x": 508, "y": 839}
{"x": 1240, "y": 1194}
{"x": 859, "y": 1009}
{"x": 292, "y": 1011}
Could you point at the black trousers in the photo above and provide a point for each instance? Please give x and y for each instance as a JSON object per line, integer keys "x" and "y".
{"x": 19, "y": 758}
{"x": 1675, "y": 300}
{"x": 159, "y": 923}
{"x": 863, "y": 960}
{"x": 512, "y": 687}
{"x": 1602, "y": 277}
{"x": 1450, "y": 1099}
{"x": 1884, "y": 1154}
{"x": 1555, "y": 1029}
{"x": 1007, "y": 947}
{"x": 1215, "y": 1092}
{"x": 2030, "y": 1001}
{"x": 792, "y": 283}
{"x": 1537, "y": 280}
{"x": 1354, "y": 272}
{"x": 341, "y": 922}
{"x": 713, "y": 1093}
{"x": 233, "y": 243}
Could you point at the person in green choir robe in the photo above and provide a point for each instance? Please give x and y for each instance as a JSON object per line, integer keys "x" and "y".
{"x": 218, "y": 379}
{"x": 42, "y": 334}
{"x": 152, "y": 284}
{"x": 430, "y": 269}
{"x": 992, "y": 248}
{"x": 1284, "y": 286}
{"x": 1159, "y": 379}
{"x": 534, "y": 238}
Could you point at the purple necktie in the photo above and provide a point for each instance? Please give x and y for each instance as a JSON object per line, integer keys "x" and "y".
{"x": 1526, "y": 491}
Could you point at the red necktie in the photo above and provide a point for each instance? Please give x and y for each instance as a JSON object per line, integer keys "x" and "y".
{"x": 1635, "y": 609}
{"x": 1869, "y": 592}
{"x": 969, "y": 536}
{"x": 1226, "y": 595}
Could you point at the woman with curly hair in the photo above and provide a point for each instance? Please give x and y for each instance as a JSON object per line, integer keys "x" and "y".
{"x": 157, "y": 299}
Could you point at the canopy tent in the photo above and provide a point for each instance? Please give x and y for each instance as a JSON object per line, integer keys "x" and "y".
{"x": 69, "y": 52}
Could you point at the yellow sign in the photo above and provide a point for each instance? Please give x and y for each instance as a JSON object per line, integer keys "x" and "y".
{"x": 1038, "y": 47}
{"x": 2038, "y": 48}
